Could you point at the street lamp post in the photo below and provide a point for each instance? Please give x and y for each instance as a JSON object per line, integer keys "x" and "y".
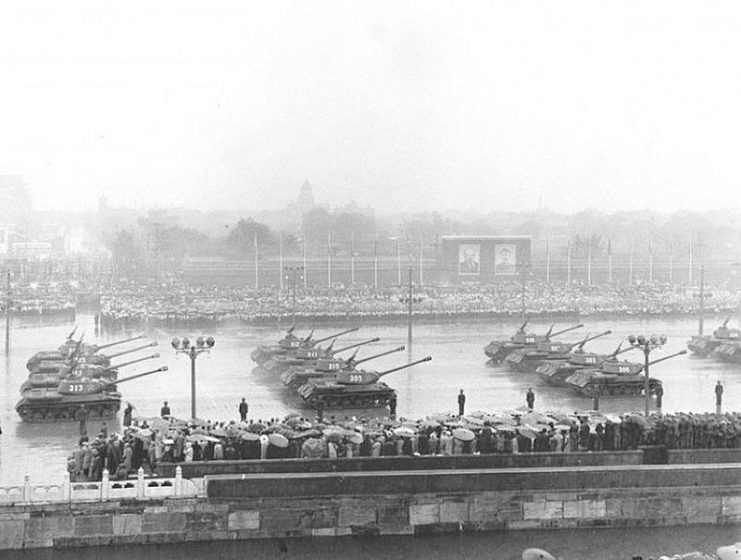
{"x": 292, "y": 273}
{"x": 647, "y": 345}
{"x": 183, "y": 346}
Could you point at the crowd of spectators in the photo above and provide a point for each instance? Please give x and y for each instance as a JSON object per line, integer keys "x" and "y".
{"x": 147, "y": 442}
{"x": 39, "y": 299}
{"x": 174, "y": 304}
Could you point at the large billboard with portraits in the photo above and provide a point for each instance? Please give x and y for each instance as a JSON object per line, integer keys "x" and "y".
{"x": 469, "y": 258}
{"x": 485, "y": 258}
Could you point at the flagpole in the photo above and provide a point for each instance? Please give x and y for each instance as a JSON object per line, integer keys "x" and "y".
{"x": 303, "y": 251}
{"x": 257, "y": 269}
{"x": 421, "y": 281}
{"x": 375, "y": 265}
{"x": 690, "y": 271}
{"x": 589, "y": 259}
{"x": 630, "y": 264}
{"x": 329, "y": 260}
{"x": 280, "y": 260}
{"x": 352, "y": 258}
{"x": 568, "y": 263}
{"x": 548, "y": 260}
{"x": 609, "y": 261}
{"x": 650, "y": 263}
{"x": 398, "y": 260}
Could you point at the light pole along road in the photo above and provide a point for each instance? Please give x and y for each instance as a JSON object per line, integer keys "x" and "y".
{"x": 183, "y": 346}
{"x": 647, "y": 345}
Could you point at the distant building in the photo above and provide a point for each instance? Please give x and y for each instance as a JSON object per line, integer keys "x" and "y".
{"x": 15, "y": 202}
{"x": 306, "y": 197}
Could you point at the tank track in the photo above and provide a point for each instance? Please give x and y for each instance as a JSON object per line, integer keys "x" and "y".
{"x": 621, "y": 389}
{"x": 370, "y": 400}
{"x": 62, "y": 412}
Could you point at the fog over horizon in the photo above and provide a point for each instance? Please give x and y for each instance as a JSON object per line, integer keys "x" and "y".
{"x": 399, "y": 107}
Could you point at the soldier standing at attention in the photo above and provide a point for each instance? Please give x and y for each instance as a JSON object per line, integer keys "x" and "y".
{"x": 81, "y": 415}
{"x": 461, "y": 403}
{"x": 392, "y": 405}
{"x": 165, "y": 410}
{"x": 243, "y": 409}
{"x": 718, "y": 396}
{"x": 530, "y": 398}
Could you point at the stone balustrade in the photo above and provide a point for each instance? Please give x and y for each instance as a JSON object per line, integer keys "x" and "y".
{"x": 140, "y": 488}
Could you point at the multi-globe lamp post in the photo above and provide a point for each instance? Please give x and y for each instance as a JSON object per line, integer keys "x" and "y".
{"x": 648, "y": 344}
{"x": 184, "y": 346}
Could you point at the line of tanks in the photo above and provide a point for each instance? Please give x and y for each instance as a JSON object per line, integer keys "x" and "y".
{"x": 569, "y": 365}
{"x": 321, "y": 378}
{"x": 60, "y": 382}
{"x": 724, "y": 344}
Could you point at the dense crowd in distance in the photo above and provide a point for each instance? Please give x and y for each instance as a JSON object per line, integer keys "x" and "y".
{"x": 177, "y": 303}
{"x": 146, "y": 442}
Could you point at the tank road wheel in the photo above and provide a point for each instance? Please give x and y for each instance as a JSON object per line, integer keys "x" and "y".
{"x": 36, "y": 416}
{"x": 63, "y": 415}
{"x": 312, "y": 401}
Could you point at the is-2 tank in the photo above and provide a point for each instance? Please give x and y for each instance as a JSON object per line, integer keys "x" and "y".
{"x": 528, "y": 359}
{"x": 291, "y": 343}
{"x": 352, "y": 389}
{"x": 100, "y": 398}
{"x": 705, "y": 345}
{"x": 77, "y": 349}
{"x": 616, "y": 378}
{"x": 555, "y": 372}
{"x": 327, "y": 369}
{"x": 41, "y": 378}
{"x": 498, "y": 350}
{"x": 307, "y": 357}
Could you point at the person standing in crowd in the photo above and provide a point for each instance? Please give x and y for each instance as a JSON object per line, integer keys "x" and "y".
{"x": 243, "y": 409}
{"x": 128, "y": 412}
{"x": 659, "y": 396}
{"x": 530, "y": 398}
{"x": 392, "y": 405}
{"x": 81, "y": 416}
{"x": 461, "y": 403}
{"x": 718, "y": 397}
{"x": 165, "y": 410}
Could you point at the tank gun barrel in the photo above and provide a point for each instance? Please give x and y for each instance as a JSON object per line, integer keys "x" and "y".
{"x": 522, "y": 327}
{"x": 621, "y": 350}
{"x": 386, "y": 353}
{"x": 137, "y": 376}
{"x": 681, "y": 352}
{"x": 308, "y": 337}
{"x": 369, "y": 341}
{"x": 130, "y": 350}
{"x": 116, "y": 366}
{"x": 585, "y": 340}
{"x": 336, "y": 335}
{"x": 117, "y": 342}
{"x": 562, "y": 331}
{"x": 410, "y": 364}
{"x": 72, "y": 333}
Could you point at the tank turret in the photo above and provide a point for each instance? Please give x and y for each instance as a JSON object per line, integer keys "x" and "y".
{"x": 98, "y": 396}
{"x": 352, "y": 389}
{"x": 528, "y": 359}
{"x": 74, "y": 349}
{"x": 498, "y": 350}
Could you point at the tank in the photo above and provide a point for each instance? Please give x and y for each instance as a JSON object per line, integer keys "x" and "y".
{"x": 728, "y": 351}
{"x": 352, "y": 389}
{"x": 705, "y": 345}
{"x": 99, "y": 397}
{"x": 498, "y": 350}
{"x": 291, "y": 343}
{"x": 528, "y": 359}
{"x": 307, "y": 357}
{"x": 64, "y": 367}
{"x": 52, "y": 378}
{"x": 616, "y": 378}
{"x": 72, "y": 348}
{"x": 555, "y": 372}
{"x": 327, "y": 369}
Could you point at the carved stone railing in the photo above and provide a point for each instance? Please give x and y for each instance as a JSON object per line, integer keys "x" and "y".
{"x": 140, "y": 488}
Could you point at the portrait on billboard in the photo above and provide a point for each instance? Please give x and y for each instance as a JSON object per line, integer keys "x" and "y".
{"x": 505, "y": 259}
{"x": 469, "y": 258}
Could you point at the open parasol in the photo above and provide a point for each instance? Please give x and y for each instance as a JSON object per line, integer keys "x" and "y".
{"x": 464, "y": 434}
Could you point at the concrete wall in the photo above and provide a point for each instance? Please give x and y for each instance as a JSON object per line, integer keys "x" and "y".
{"x": 679, "y": 456}
{"x": 358, "y": 464}
{"x": 414, "y": 502}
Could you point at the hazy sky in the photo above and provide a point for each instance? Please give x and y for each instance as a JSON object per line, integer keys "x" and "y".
{"x": 397, "y": 105}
